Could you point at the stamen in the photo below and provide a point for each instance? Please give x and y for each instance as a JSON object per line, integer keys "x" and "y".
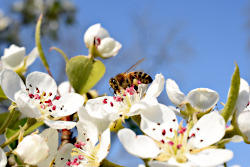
{"x": 105, "y": 101}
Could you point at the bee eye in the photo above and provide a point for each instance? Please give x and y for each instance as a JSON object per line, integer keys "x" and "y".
{"x": 114, "y": 81}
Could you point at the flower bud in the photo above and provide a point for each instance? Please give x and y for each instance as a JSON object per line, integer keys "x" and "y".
{"x": 32, "y": 150}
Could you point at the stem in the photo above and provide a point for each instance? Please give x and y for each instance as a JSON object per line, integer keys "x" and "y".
{"x": 137, "y": 119}
{"x": 7, "y": 121}
{"x": 29, "y": 127}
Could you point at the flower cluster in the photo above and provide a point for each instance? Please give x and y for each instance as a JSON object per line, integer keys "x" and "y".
{"x": 198, "y": 139}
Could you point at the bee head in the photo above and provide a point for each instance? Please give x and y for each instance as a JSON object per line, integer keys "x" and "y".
{"x": 112, "y": 82}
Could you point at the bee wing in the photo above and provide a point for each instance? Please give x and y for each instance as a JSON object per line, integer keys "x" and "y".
{"x": 134, "y": 66}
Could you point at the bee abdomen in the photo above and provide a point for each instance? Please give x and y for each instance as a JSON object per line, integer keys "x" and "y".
{"x": 143, "y": 77}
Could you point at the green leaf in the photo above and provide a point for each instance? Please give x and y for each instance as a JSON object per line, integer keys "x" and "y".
{"x": 233, "y": 94}
{"x": 2, "y": 95}
{"x": 18, "y": 123}
{"x": 9, "y": 133}
{"x": 84, "y": 72}
{"x": 14, "y": 118}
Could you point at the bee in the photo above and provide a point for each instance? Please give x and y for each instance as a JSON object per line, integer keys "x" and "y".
{"x": 124, "y": 80}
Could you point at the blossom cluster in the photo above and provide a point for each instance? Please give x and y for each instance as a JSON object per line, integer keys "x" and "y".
{"x": 193, "y": 132}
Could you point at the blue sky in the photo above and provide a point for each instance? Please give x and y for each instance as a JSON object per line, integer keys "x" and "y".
{"x": 215, "y": 31}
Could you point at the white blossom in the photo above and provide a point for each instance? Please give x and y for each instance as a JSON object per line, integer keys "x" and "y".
{"x": 37, "y": 99}
{"x": 169, "y": 145}
{"x": 92, "y": 144}
{"x": 99, "y": 37}
{"x": 202, "y": 99}
{"x": 32, "y": 150}
{"x": 130, "y": 102}
{"x": 14, "y": 58}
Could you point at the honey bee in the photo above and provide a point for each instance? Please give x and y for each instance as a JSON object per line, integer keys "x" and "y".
{"x": 124, "y": 80}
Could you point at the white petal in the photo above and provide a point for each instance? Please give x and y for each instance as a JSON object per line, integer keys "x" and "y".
{"x": 244, "y": 123}
{"x": 210, "y": 157}
{"x": 109, "y": 47}
{"x": 63, "y": 155}
{"x": 86, "y": 127}
{"x": 208, "y": 130}
{"x": 94, "y": 31}
{"x": 43, "y": 82}
{"x": 60, "y": 124}
{"x": 104, "y": 145}
{"x": 3, "y": 158}
{"x": 11, "y": 83}
{"x": 159, "y": 122}
{"x": 65, "y": 88}
{"x": 156, "y": 87}
{"x": 142, "y": 106}
{"x": 70, "y": 102}
{"x": 243, "y": 96}
{"x": 174, "y": 93}
{"x": 25, "y": 105}
{"x": 97, "y": 109}
{"x": 202, "y": 98}
{"x": 52, "y": 139}
{"x": 32, "y": 57}
{"x": 236, "y": 139}
{"x": 141, "y": 146}
{"x": 13, "y": 56}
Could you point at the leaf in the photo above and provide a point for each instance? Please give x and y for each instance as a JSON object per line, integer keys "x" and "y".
{"x": 233, "y": 94}
{"x": 84, "y": 72}
{"x": 2, "y": 95}
{"x": 9, "y": 133}
{"x": 18, "y": 123}
{"x": 14, "y": 119}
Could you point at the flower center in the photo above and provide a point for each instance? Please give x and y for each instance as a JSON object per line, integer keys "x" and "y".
{"x": 42, "y": 101}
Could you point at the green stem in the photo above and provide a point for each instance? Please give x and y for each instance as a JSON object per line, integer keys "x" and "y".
{"x": 137, "y": 119}
{"x": 107, "y": 163}
{"x": 61, "y": 52}
{"x": 28, "y": 128}
{"x": 7, "y": 121}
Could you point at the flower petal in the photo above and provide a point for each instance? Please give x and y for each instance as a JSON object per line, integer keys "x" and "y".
{"x": 202, "y": 98}
{"x": 170, "y": 163}
{"x": 32, "y": 56}
{"x": 63, "y": 155}
{"x": 43, "y": 82}
{"x": 60, "y": 124}
{"x": 3, "y": 158}
{"x": 52, "y": 139}
{"x": 208, "y": 130}
{"x": 142, "y": 106}
{"x": 11, "y": 83}
{"x": 243, "y": 96}
{"x": 13, "y": 56}
{"x": 69, "y": 103}
{"x": 244, "y": 123}
{"x": 210, "y": 157}
{"x": 65, "y": 88}
{"x": 174, "y": 93}
{"x": 109, "y": 47}
{"x": 104, "y": 145}
{"x": 25, "y": 105}
{"x": 87, "y": 126}
{"x": 159, "y": 122}
{"x": 94, "y": 31}
{"x": 141, "y": 146}
{"x": 100, "y": 110}
{"x": 156, "y": 87}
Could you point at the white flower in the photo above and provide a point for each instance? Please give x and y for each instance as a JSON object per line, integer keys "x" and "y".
{"x": 99, "y": 37}
{"x": 243, "y": 109}
{"x": 88, "y": 151}
{"x": 14, "y": 58}
{"x": 202, "y": 99}
{"x": 32, "y": 150}
{"x": 131, "y": 102}
{"x": 170, "y": 145}
{"x": 37, "y": 99}
{"x": 3, "y": 158}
